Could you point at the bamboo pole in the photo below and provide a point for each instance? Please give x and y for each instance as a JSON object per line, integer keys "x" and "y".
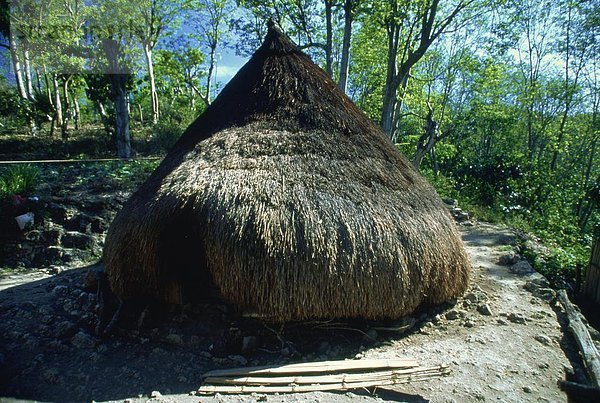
{"x": 301, "y": 388}
{"x": 323, "y": 379}
{"x": 77, "y": 161}
{"x": 316, "y": 367}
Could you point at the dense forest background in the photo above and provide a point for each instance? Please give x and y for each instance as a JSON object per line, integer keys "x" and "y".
{"x": 495, "y": 101}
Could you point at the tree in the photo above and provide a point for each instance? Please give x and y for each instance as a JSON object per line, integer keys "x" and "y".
{"x": 111, "y": 22}
{"x": 156, "y": 16}
{"x": 575, "y": 45}
{"x": 211, "y": 23}
{"x": 411, "y": 29}
{"x": 302, "y": 20}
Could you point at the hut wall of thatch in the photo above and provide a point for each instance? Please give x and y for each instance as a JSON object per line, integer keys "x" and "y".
{"x": 292, "y": 203}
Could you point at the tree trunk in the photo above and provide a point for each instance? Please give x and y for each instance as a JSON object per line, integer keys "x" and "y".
{"x": 434, "y": 162}
{"x": 58, "y": 115}
{"x": 64, "y": 128}
{"x": 329, "y": 38}
{"x": 426, "y": 141}
{"x": 344, "y": 65}
{"x": 52, "y": 125}
{"x": 211, "y": 67}
{"x": 389, "y": 91}
{"x": 77, "y": 110}
{"x": 17, "y": 67}
{"x": 141, "y": 112}
{"x": 27, "y": 72}
{"x": 387, "y": 113}
{"x": 153, "y": 93}
{"x": 48, "y": 88}
{"x": 119, "y": 90}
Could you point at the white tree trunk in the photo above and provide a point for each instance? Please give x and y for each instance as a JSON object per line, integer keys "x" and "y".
{"x": 211, "y": 68}
{"x": 58, "y": 116}
{"x": 153, "y": 93}
{"x": 17, "y": 67}
{"x": 27, "y": 71}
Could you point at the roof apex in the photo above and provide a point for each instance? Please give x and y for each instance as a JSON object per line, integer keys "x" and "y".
{"x": 277, "y": 41}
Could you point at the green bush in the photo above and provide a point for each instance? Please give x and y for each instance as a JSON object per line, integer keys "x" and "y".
{"x": 18, "y": 180}
{"x": 166, "y": 134}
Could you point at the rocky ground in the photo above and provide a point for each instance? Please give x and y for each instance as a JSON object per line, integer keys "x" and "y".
{"x": 505, "y": 339}
{"x": 73, "y": 208}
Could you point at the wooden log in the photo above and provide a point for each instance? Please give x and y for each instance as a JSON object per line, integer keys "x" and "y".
{"x": 316, "y": 367}
{"x": 583, "y": 393}
{"x": 588, "y": 350}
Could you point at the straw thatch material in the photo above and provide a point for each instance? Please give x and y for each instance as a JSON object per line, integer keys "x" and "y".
{"x": 291, "y": 202}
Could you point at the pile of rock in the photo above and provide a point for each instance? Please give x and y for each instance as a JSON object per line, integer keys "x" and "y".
{"x": 460, "y": 216}
{"x": 66, "y": 232}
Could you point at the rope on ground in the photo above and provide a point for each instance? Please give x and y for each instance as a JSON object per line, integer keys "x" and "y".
{"x": 79, "y": 161}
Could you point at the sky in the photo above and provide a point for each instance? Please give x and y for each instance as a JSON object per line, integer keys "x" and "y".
{"x": 228, "y": 64}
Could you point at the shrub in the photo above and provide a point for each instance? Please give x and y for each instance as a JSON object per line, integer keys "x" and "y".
{"x": 18, "y": 180}
{"x": 166, "y": 134}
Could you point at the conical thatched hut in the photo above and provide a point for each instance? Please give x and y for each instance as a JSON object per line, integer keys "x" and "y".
{"x": 291, "y": 202}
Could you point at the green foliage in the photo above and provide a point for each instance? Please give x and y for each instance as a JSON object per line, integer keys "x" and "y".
{"x": 165, "y": 135}
{"x": 12, "y": 109}
{"x": 18, "y": 180}
{"x": 131, "y": 171}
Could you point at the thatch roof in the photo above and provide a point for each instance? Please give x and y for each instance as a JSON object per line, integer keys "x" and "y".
{"x": 291, "y": 202}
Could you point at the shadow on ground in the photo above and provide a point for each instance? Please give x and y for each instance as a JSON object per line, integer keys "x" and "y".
{"x": 49, "y": 351}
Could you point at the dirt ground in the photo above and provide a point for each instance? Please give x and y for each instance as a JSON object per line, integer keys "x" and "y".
{"x": 505, "y": 340}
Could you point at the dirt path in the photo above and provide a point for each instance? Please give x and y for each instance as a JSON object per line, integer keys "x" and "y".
{"x": 502, "y": 340}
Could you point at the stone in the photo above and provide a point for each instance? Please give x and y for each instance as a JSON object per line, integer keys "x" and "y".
{"x": 155, "y": 394}
{"x": 55, "y": 270}
{"x": 174, "y": 339}
{"x": 64, "y": 329}
{"x": 372, "y": 335}
{"x": 540, "y": 288}
{"x": 54, "y": 253}
{"x": 467, "y": 224}
{"x": 452, "y": 314}
{"x": 517, "y": 318}
{"x": 509, "y": 259}
{"x": 450, "y": 202}
{"x": 98, "y": 225}
{"x": 476, "y": 296}
{"x": 195, "y": 340}
{"x": 249, "y": 344}
{"x": 522, "y": 268}
{"x": 527, "y": 389}
{"x": 90, "y": 282}
{"x": 545, "y": 340}
{"x": 53, "y": 236}
{"x": 459, "y": 215}
{"x": 485, "y": 309}
{"x": 238, "y": 360}
{"x": 205, "y": 354}
{"x": 51, "y": 375}
{"x": 77, "y": 240}
{"x": 60, "y": 290}
{"x": 83, "y": 340}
